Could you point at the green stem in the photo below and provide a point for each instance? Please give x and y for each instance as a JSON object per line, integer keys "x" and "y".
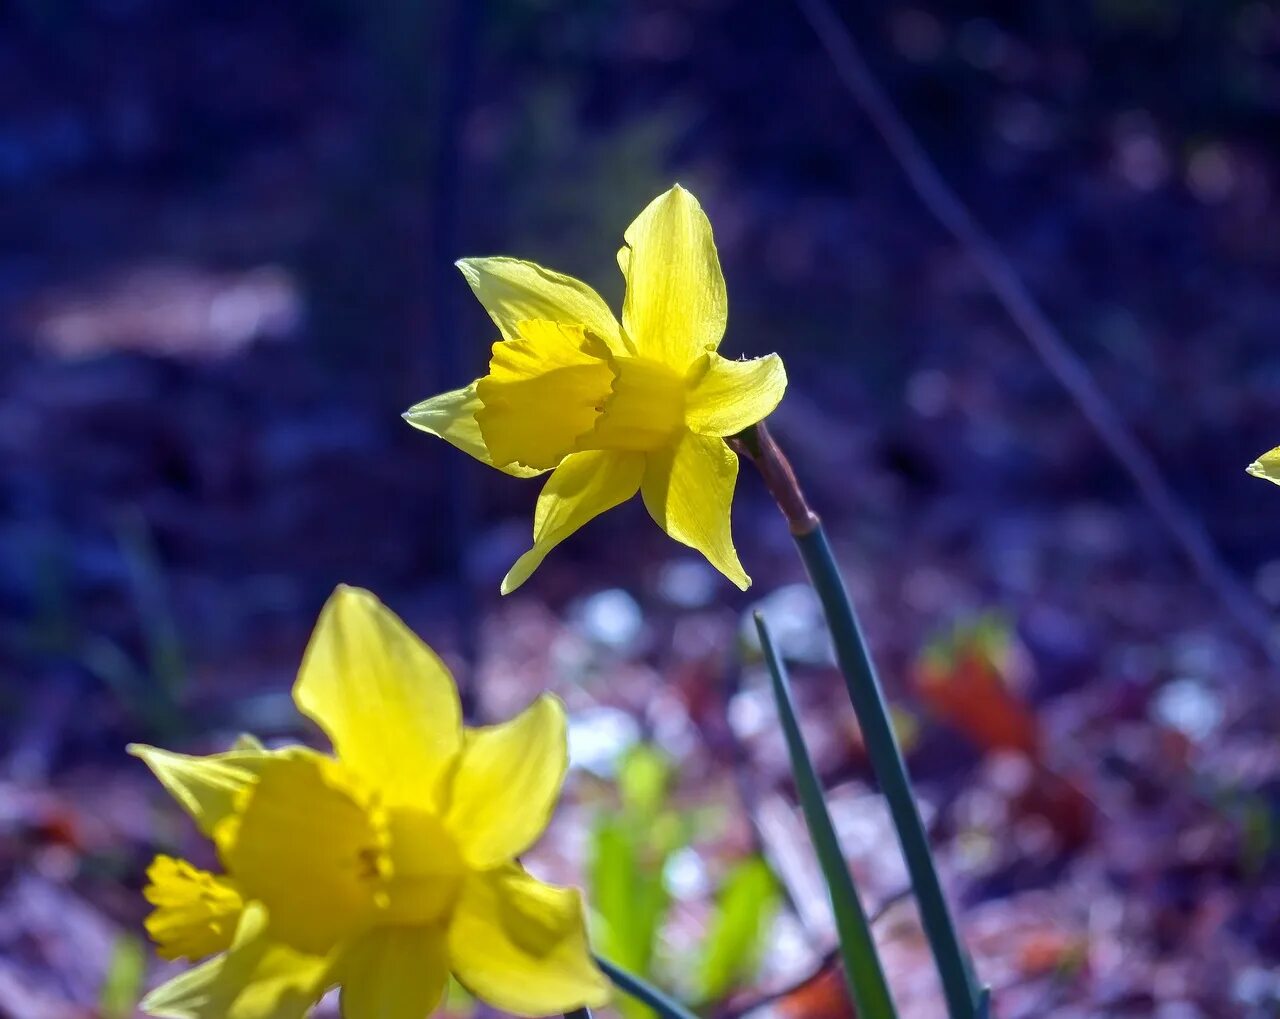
{"x": 644, "y": 992}
{"x": 862, "y": 970}
{"x": 886, "y": 758}
{"x": 963, "y": 1000}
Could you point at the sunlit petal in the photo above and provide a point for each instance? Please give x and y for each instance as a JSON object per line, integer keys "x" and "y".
{"x": 521, "y": 945}
{"x": 728, "y": 396}
{"x": 512, "y": 290}
{"x": 1267, "y": 466}
{"x": 676, "y": 307}
{"x": 452, "y": 416}
{"x": 507, "y": 783}
{"x": 688, "y": 489}
{"x": 582, "y": 487}
{"x": 394, "y": 973}
{"x": 383, "y": 697}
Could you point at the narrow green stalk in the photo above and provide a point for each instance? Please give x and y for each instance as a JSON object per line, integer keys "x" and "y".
{"x": 886, "y": 758}
{"x": 962, "y": 995}
{"x": 862, "y": 970}
{"x": 644, "y": 992}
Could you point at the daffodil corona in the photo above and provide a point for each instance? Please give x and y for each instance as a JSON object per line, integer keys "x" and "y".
{"x": 1267, "y": 466}
{"x": 614, "y": 408}
{"x": 381, "y": 869}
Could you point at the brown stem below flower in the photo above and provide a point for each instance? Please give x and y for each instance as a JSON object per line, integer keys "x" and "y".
{"x": 758, "y": 446}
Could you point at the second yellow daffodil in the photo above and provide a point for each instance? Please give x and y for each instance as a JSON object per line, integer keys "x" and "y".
{"x": 381, "y": 868}
{"x": 1267, "y": 466}
{"x": 614, "y": 408}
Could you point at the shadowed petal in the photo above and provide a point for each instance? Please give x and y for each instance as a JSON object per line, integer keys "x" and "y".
{"x": 452, "y": 416}
{"x": 256, "y": 979}
{"x": 394, "y": 973}
{"x": 521, "y": 945}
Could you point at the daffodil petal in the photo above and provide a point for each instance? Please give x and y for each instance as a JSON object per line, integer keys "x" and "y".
{"x": 256, "y": 979}
{"x": 452, "y": 416}
{"x": 581, "y": 488}
{"x": 1267, "y": 466}
{"x": 311, "y": 846}
{"x": 728, "y": 396}
{"x": 507, "y": 783}
{"x": 383, "y": 697}
{"x": 205, "y": 787}
{"x": 544, "y": 390}
{"x": 196, "y": 912}
{"x": 394, "y": 973}
{"x": 521, "y": 945}
{"x": 676, "y": 306}
{"x": 513, "y": 290}
{"x": 688, "y": 490}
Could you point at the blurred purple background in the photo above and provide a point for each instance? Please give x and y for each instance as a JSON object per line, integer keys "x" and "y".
{"x": 226, "y": 241}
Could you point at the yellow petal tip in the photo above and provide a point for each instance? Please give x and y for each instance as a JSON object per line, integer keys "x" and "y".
{"x": 1267, "y": 466}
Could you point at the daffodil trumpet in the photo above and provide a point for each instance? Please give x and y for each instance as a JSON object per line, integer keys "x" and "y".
{"x": 381, "y": 868}
{"x": 610, "y": 407}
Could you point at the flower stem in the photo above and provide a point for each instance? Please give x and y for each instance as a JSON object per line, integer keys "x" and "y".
{"x": 862, "y": 970}
{"x": 867, "y": 696}
{"x": 644, "y": 992}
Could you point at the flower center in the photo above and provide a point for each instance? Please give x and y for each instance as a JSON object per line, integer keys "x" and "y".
{"x": 426, "y": 869}
{"x": 644, "y": 411}
{"x": 544, "y": 390}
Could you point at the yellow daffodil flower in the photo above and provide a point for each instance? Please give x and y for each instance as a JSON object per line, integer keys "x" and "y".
{"x": 1267, "y": 466}
{"x": 614, "y": 408}
{"x": 381, "y": 869}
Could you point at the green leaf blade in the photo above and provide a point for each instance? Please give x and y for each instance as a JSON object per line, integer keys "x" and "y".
{"x": 863, "y": 971}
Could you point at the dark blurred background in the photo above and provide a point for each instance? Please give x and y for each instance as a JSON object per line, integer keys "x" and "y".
{"x": 226, "y": 241}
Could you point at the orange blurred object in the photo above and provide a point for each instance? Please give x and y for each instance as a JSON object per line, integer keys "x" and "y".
{"x": 822, "y": 996}
{"x": 971, "y": 678}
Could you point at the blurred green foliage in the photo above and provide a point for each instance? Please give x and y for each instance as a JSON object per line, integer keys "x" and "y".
{"x": 631, "y": 848}
{"x": 122, "y": 986}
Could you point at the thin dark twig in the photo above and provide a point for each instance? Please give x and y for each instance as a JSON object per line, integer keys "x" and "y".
{"x": 830, "y": 959}
{"x": 1046, "y": 340}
